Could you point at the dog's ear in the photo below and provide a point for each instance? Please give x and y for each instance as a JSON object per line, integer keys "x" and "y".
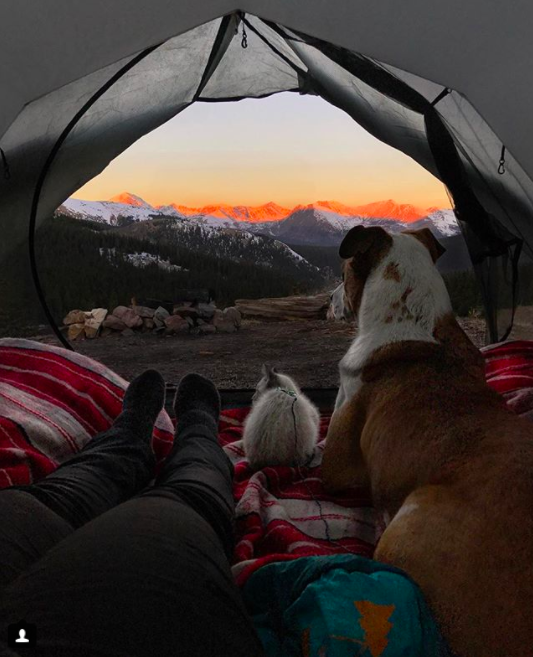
{"x": 427, "y": 238}
{"x": 360, "y": 240}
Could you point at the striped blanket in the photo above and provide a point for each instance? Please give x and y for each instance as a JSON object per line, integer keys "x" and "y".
{"x": 53, "y": 401}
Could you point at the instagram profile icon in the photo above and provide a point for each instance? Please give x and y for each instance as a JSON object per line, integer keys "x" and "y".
{"x": 21, "y": 636}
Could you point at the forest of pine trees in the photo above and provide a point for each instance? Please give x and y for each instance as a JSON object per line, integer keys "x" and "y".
{"x": 81, "y": 265}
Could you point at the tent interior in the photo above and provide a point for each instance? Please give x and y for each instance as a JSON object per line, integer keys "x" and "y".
{"x": 56, "y": 139}
{"x": 446, "y": 84}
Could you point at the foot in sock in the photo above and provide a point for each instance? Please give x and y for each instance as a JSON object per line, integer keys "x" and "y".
{"x": 143, "y": 401}
{"x": 195, "y": 393}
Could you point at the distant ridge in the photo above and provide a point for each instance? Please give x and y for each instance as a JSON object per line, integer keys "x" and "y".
{"x": 253, "y": 214}
{"x": 323, "y": 223}
{"x": 388, "y": 209}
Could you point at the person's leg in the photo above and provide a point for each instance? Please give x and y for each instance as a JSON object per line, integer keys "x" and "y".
{"x": 112, "y": 467}
{"x": 150, "y": 576}
{"x": 197, "y": 471}
{"x": 28, "y": 529}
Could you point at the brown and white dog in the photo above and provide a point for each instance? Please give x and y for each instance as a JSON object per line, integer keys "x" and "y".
{"x": 446, "y": 462}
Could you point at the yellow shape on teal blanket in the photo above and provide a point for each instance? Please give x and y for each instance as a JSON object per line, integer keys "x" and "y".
{"x": 375, "y": 623}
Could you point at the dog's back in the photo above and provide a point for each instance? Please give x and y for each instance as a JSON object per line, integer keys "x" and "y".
{"x": 465, "y": 533}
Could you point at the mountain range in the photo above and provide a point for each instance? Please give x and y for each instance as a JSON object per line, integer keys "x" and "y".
{"x": 318, "y": 224}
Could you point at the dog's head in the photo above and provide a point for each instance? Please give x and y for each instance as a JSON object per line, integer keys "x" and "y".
{"x": 400, "y": 269}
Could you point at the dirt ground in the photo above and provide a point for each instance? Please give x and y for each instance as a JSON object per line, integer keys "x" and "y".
{"x": 307, "y": 350}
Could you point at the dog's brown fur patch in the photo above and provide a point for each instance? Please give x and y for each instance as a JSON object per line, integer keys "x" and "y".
{"x": 439, "y": 445}
{"x": 451, "y": 466}
{"x": 368, "y": 247}
{"x": 426, "y": 237}
{"x": 392, "y": 272}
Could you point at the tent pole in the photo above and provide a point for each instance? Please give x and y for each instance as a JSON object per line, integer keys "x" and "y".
{"x": 42, "y": 177}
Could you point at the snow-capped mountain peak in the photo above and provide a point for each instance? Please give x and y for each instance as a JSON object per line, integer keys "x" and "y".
{"x": 442, "y": 223}
{"x": 131, "y": 199}
{"x": 320, "y": 223}
{"x": 249, "y": 214}
{"x": 389, "y": 209}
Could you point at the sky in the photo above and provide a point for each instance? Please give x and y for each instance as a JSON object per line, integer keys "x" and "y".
{"x": 288, "y": 149}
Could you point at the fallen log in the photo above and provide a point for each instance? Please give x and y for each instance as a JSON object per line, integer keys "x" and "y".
{"x": 285, "y": 308}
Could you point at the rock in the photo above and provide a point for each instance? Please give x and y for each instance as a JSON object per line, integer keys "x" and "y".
{"x": 98, "y": 314}
{"x": 154, "y": 304}
{"x": 127, "y": 332}
{"x": 207, "y": 328}
{"x": 128, "y": 316}
{"x": 144, "y": 311}
{"x": 159, "y": 316}
{"x": 75, "y": 317}
{"x": 205, "y": 310}
{"x": 94, "y": 322}
{"x": 218, "y": 317}
{"x": 176, "y": 324}
{"x": 114, "y": 323}
{"x": 285, "y": 308}
{"x": 148, "y": 323}
{"x": 90, "y": 332}
{"x": 76, "y": 331}
{"x": 233, "y": 315}
{"x": 190, "y": 321}
{"x": 105, "y": 332}
{"x": 186, "y": 311}
{"x": 226, "y": 327}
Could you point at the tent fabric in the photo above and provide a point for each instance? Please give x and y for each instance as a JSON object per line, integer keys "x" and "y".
{"x": 482, "y": 49}
{"x": 62, "y": 124}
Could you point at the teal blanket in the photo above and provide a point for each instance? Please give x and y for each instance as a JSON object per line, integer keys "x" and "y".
{"x": 340, "y": 606}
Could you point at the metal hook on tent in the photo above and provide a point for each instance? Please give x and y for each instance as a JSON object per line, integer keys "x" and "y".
{"x": 244, "y": 42}
{"x": 501, "y": 167}
{"x": 7, "y": 172}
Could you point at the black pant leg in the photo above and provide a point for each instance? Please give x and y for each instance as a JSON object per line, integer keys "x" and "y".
{"x": 112, "y": 467}
{"x": 147, "y": 578}
{"x": 199, "y": 472}
{"x": 28, "y": 529}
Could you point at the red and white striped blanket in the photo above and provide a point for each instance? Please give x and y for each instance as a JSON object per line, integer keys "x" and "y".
{"x": 52, "y": 401}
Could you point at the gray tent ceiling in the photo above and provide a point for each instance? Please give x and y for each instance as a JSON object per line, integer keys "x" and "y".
{"x": 481, "y": 48}
{"x": 447, "y": 83}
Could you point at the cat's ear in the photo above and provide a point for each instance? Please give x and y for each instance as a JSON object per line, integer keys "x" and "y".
{"x": 271, "y": 375}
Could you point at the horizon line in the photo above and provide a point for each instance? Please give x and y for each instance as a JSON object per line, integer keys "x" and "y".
{"x": 257, "y": 205}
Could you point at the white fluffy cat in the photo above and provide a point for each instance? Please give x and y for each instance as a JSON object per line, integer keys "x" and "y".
{"x": 282, "y": 426}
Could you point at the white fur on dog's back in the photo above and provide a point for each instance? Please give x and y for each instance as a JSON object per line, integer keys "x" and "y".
{"x": 281, "y": 429}
{"x": 427, "y": 302}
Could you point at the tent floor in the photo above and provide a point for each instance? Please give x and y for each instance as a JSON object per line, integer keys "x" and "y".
{"x": 323, "y": 398}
